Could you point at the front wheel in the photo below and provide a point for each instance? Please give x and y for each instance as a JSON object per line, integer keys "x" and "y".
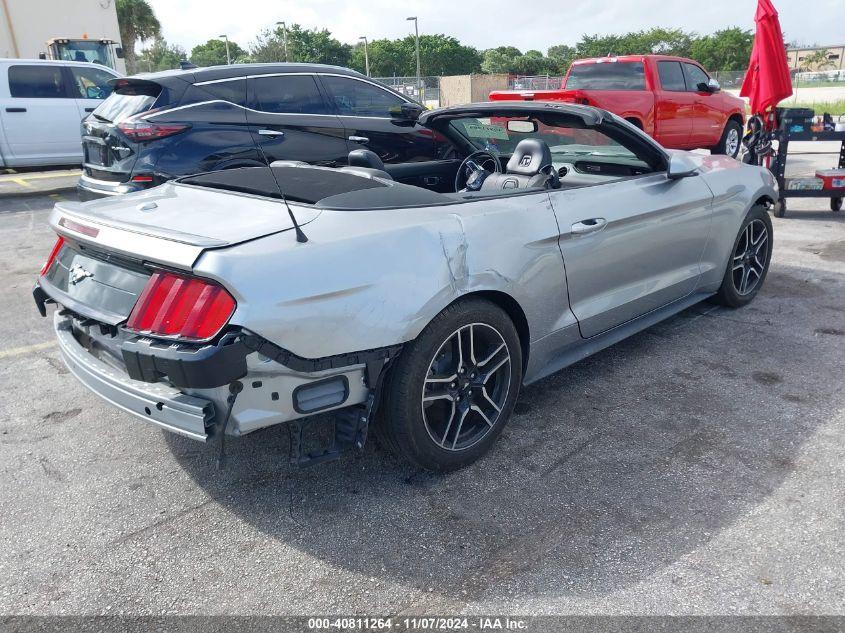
{"x": 749, "y": 262}
{"x": 452, "y": 390}
{"x": 731, "y": 140}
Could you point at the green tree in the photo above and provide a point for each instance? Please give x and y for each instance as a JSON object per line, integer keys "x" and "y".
{"x": 213, "y": 53}
{"x": 728, "y": 49}
{"x": 501, "y": 59}
{"x": 439, "y": 55}
{"x": 653, "y": 41}
{"x": 137, "y": 22}
{"x": 312, "y": 46}
{"x": 159, "y": 56}
{"x": 560, "y": 58}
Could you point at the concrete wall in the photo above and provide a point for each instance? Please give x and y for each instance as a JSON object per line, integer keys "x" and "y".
{"x": 461, "y": 89}
{"x": 25, "y": 25}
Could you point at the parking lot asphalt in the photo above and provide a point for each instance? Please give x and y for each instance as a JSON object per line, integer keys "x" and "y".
{"x": 696, "y": 468}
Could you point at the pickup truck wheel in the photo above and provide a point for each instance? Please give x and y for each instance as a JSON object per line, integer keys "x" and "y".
{"x": 452, "y": 390}
{"x": 749, "y": 261}
{"x": 731, "y": 140}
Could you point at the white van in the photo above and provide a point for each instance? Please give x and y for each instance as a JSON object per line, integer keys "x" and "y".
{"x": 41, "y": 106}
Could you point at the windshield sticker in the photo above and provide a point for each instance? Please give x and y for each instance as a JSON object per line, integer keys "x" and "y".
{"x": 476, "y": 129}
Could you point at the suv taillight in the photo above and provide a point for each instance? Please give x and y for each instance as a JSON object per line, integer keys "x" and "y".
{"x": 53, "y": 254}
{"x": 140, "y": 130}
{"x": 182, "y": 307}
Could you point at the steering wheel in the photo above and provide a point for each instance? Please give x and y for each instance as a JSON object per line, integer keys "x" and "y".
{"x": 474, "y": 162}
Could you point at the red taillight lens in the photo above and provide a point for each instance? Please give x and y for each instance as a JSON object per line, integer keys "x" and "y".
{"x": 53, "y": 254}
{"x": 185, "y": 307}
{"x": 140, "y": 130}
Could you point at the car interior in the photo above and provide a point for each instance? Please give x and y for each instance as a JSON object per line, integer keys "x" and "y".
{"x": 485, "y": 156}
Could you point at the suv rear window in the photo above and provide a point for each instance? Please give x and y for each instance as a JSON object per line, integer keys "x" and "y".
{"x": 37, "y": 82}
{"x": 606, "y": 76}
{"x": 127, "y": 101}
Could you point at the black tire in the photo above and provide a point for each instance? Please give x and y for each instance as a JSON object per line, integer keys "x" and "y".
{"x": 836, "y": 205}
{"x": 731, "y": 141}
{"x": 407, "y": 425}
{"x": 731, "y": 293}
{"x": 779, "y": 209}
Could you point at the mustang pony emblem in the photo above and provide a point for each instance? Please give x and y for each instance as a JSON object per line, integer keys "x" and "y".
{"x": 77, "y": 273}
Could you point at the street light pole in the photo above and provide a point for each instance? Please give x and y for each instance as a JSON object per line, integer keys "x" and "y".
{"x": 226, "y": 39}
{"x": 366, "y": 55}
{"x": 417, "y": 35}
{"x": 284, "y": 37}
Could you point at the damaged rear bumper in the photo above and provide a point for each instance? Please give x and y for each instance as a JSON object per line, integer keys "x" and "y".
{"x": 157, "y": 403}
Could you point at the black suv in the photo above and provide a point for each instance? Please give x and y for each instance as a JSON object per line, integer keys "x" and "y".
{"x": 159, "y": 126}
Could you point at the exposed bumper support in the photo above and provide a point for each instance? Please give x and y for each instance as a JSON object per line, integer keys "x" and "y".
{"x": 154, "y": 402}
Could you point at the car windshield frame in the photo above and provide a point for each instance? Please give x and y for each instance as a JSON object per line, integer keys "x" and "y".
{"x": 551, "y": 128}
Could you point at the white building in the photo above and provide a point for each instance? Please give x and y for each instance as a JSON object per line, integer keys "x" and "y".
{"x": 26, "y": 25}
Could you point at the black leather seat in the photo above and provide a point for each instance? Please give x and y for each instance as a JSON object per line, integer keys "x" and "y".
{"x": 366, "y": 163}
{"x": 365, "y": 158}
{"x": 529, "y": 166}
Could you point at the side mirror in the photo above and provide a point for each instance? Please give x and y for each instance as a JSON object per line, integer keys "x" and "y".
{"x": 406, "y": 114}
{"x": 42, "y": 55}
{"x": 681, "y": 166}
{"x": 118, "y": 52}
{"x": 710, "y": 86}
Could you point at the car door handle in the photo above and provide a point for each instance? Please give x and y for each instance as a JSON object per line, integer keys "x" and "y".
{"x": 90, "y": 109}
{"x": 271, "y": 133}
{"x": 359, "y": 139}
{"x": 588, "y": 226}
{"x": 15, "y": 109}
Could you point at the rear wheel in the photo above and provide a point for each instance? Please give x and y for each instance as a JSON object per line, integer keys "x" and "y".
{"x": 452, "y": 390}
{"x": 836, "y": 204}
{"x": 779, "y": 209}
{"x": 731, "y": 140}
{"x": 749, "y": 262}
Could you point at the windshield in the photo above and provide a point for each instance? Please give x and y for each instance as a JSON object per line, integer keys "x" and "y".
{"x": 568, "y": 140}
{"x": 86, "y": 51}
{"x": 606, "y": 75}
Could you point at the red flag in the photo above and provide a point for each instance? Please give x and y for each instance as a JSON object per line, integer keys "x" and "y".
{"x": 767, "y": 81}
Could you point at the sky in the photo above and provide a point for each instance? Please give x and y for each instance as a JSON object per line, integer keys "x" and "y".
{"x": 526, "y": 24}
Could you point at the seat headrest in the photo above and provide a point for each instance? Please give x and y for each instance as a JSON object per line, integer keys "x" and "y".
{"x": 529, "y": 157}
{"x": 365, "y": 158}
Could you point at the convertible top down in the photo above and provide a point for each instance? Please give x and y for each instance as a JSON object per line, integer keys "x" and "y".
{"x": 231, "y": 301}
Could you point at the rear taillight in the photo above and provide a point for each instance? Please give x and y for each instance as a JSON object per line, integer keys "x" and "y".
{"x": 53, "y": 254}
{"x": 182, "y": 307}
{"x": 140, "y": 130}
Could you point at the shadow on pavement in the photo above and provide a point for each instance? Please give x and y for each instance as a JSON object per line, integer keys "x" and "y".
{"x": 609, "y": 471}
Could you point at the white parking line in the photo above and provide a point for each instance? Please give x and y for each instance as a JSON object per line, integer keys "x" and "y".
{"x": 28, "y": 349}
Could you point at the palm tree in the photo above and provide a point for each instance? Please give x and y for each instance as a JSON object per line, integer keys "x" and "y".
{"x": 818, "y": 60}
{"x": 137, "y": 21}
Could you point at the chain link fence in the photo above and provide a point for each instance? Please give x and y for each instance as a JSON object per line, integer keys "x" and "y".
{"x": 426, "y": 91}
{"x": 535, "y": 82}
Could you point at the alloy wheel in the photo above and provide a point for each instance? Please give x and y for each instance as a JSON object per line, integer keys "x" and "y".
{"x": 750, "y": 257}
{"x": 466, "y": 386}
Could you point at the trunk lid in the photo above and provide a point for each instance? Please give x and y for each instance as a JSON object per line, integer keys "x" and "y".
{"x": 173, "y": 223}
{"x": 109, "y": 155}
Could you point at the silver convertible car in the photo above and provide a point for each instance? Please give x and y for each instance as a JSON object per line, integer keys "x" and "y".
{"x": 227, "y": 302}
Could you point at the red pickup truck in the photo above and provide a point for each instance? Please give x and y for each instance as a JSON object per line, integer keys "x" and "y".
{"x": 673, "y": 99}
